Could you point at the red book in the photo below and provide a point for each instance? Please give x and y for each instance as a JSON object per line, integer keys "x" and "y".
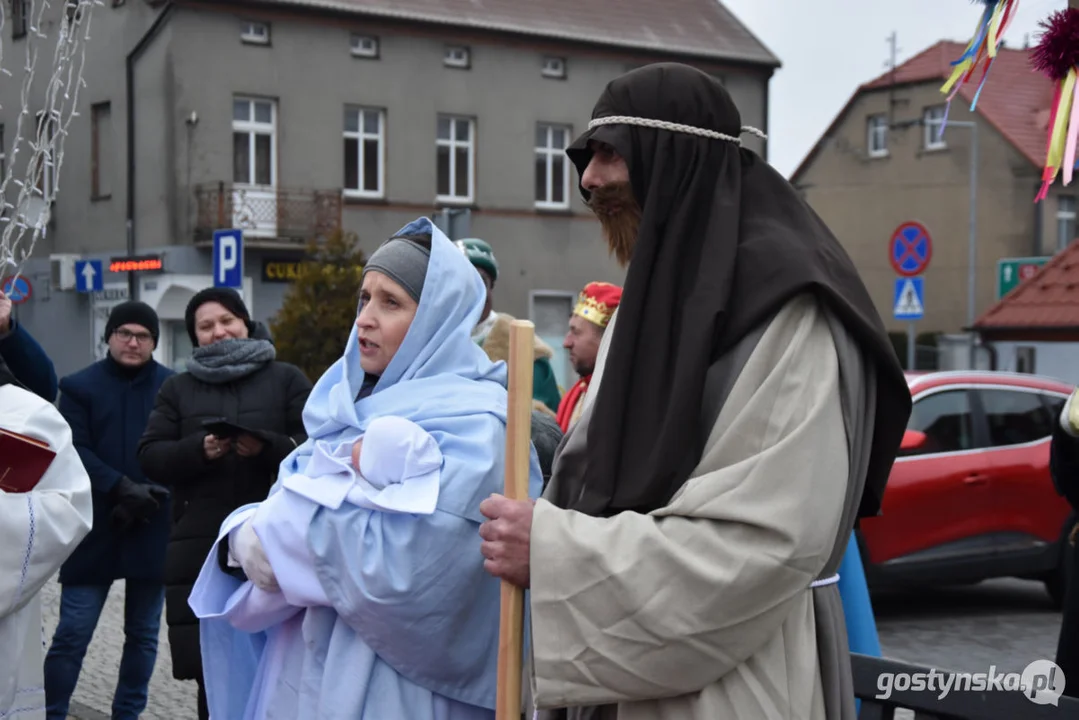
{"x": 23, "y": 461}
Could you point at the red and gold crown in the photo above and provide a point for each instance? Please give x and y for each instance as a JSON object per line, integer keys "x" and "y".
{"x": 597, "y": 302}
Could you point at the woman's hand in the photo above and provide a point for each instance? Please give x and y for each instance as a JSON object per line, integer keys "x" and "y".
{"x": 214, "y": 447}
{"x": 248, "y": 445}
{"x": 357, "y": 448}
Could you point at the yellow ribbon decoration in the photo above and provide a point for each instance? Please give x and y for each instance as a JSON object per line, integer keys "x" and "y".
{"x": 1060, "y": 124}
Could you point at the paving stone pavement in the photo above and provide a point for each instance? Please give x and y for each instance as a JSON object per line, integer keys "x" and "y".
{"x": 169, "y": 699}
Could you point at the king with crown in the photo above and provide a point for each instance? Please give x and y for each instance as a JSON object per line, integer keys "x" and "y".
{"x": 595, "y": 306}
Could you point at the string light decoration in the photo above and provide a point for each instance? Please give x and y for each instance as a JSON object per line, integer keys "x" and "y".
{"x": 49, "y": 104}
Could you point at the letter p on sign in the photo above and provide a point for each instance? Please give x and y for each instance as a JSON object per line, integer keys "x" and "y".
{"x": 228, "y": 259}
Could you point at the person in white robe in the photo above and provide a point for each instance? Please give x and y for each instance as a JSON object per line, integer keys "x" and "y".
{"x": 39, "y": 529}
{"x": 361, "y": 593}
{"x": 746, "y": 408}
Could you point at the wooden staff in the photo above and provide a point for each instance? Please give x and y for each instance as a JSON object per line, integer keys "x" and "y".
{"x": 518, "y": 450}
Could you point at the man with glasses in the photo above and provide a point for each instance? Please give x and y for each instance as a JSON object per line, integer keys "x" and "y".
{"x": 107, "y": 406}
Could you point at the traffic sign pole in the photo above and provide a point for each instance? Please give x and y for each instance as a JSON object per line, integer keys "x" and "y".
{"x": 909, "y": 252}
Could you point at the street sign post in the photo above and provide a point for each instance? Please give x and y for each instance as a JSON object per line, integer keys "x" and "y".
{"x": 229, "y": 259}
{"x": 909, "y": 305}
{"x": 1012, "y": 271}
{"x": 910, "y": 249}
{"x": 17, "y": 288}
{"x": 89, "y": 276}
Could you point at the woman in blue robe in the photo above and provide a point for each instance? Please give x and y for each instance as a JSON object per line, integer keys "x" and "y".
{"x": 356, "y": 589}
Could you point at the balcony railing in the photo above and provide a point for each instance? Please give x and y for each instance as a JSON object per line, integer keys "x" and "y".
{"x": 273, "y": 214}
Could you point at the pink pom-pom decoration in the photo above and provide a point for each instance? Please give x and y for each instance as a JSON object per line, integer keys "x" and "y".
{"x": 1057, "y": 56}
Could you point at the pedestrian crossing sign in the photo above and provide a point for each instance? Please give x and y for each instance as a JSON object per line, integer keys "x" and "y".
{"x": 909, "y": 299}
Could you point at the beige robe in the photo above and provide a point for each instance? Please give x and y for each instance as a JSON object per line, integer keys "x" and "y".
{"x": 38, "y": 531}
{"x": 703, "y": 609}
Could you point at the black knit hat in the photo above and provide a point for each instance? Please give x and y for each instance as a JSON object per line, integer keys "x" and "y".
{"x": 226, "y": 297}
{"x": 135, "y": 312}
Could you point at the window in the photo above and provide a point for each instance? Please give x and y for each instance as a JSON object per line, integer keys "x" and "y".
{"x": 44, "y": 174}
{"x": 255, "y": 33}
{"x": 1065, "y": 220}
{"x": 101, "y": 151}
{"x": 552, "y": 168}
{"x": 180, "y": 346}
{"x": 457, "y": 57}
{"x": 365, "y": 149}
{"x": 20, "y": 17}
{"x": 1024, "y": 359}
{"x": 254, "y": 160}
{"x": 934, "y": 121}
{"x": 455, "y": 158}
{"x": 945, "y": 418}
{"x": 1015, "y": 417}
{"x": 364, "y": 46}
{"x": 877, "y": 136}
{"x": 554, "y": 67}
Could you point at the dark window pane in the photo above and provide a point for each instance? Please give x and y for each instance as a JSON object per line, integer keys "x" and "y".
{"x": 241, "y": 158}
{"x": 558, "y": 193}
{"x": 945, "y": 419}
{"x": 264, "y": 112}
{"x": 352, "y": 120}
{"x": 443, "y": 171}
{"x": 461, "y": 183}
{"x": 370, "y": 165}
{"x": 370, "y": 121}
{"x": 443, "y": 128}
{"x": 263, "y": 159}
{"x": 241, "y": 110}
{"x": 1015, "y": 417}
{"x": 541, "y": 177}
{"x": 558, "y": 138}
{"x": 462, "y": 130}
{"x": 352, "y": 164}
{"x": 541, "y": 136}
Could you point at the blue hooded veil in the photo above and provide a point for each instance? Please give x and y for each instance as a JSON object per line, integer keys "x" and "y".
{"x": 413, "y": 627}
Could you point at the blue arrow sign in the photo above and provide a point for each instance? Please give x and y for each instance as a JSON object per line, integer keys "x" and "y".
{"x": 89, "y": 276}
{"x": 909, "y": 299}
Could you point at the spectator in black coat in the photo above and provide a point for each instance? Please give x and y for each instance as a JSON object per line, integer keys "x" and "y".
{"x": 232, "y": 376}
{"x": 1064, "y": 466}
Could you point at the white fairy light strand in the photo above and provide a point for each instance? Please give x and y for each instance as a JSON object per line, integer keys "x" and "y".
{"x": 674, "y": 127}
{"x": 59, "y": 103}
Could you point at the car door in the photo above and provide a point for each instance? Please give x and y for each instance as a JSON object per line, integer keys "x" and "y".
{"x": 938, "y": 494}
{"x": 1026, "y": 511}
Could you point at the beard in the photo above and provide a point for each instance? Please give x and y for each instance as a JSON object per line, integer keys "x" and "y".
{"x": 620, "y": 216}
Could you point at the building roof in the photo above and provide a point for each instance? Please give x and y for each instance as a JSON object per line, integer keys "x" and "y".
{"x": 1015, "y": 99}
{"x": 700, "y": 28}
{"x": 1048, "y": 300}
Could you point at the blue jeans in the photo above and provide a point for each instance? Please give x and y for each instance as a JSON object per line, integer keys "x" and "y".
{"x": 80, "y": 608}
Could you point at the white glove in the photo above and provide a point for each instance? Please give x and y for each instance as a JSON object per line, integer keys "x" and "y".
{"x": 247, "y": 549}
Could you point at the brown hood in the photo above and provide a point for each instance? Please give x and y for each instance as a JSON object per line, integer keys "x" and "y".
{"x": 497, "y": 344}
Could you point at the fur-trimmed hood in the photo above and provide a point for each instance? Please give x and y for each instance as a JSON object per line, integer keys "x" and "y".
{"x": 497, "y": 343}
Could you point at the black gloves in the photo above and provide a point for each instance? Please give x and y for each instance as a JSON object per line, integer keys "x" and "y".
{"x": 134, "y": 502}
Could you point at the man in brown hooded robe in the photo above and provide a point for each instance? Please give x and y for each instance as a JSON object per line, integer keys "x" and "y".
{"x": 748, "y": 407}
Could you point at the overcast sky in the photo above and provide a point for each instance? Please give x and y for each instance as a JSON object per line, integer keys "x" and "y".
{"x": 829, "y": 47}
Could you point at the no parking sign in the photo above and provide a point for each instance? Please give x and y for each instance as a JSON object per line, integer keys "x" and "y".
{"x": 17, "y": 288}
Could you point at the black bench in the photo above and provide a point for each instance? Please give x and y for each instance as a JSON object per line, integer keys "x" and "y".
{"x": 956, "y": 705}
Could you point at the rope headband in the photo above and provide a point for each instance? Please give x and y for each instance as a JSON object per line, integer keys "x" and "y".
{"x": 673, "y": 127}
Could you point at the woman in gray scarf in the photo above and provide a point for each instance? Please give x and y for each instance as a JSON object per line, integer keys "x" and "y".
{"x": 216, "y": 437}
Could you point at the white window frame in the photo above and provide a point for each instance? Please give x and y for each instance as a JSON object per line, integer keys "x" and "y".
{"x": 548, "y": 153}
{"x": 553, "y": 67}
{"x": 457, "y": 56}
{"x": 360, "y": 136}
{"x": 933, "y": 119}
{"x": 453, "y": 144}
{"x": 363, "y": 46}
{"x": 877, "y": 136}
{"x": 1065, "y": 215}
{"x": 252, "y": 128}
{"x": 255, "y": 32}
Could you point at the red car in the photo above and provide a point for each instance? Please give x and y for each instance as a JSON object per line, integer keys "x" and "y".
{"x": 970, "y": 496}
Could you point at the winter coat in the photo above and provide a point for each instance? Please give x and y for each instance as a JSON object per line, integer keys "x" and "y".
{"x": 107, "y": 409}
{"x": 544, "y": 385}
{"x": 270, "y": 401}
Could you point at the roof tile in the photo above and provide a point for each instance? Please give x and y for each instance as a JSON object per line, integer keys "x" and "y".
{"x": 1048, "y": 299}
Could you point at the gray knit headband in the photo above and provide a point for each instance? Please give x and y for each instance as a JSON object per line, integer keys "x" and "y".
{"x": 404, "y": 262}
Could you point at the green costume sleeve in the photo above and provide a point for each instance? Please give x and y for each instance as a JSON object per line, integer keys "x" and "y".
{"x": 544, "y": 385}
